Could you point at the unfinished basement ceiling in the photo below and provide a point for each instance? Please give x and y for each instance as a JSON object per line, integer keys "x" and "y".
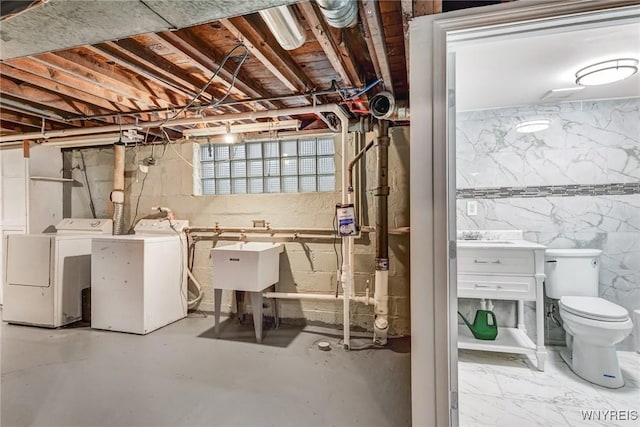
{"x": 112, "y": 62}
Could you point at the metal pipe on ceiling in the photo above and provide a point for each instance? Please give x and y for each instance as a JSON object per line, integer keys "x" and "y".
{"x": 339, "y": 13}
{"x": 224, "y": 104}
{"x": 252, "y": 115}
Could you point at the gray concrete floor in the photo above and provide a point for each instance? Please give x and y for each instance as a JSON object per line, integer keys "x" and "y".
{"x": 181, "y": 376}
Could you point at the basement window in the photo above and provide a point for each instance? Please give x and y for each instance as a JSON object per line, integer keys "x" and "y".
{"x": 302, "y": 165}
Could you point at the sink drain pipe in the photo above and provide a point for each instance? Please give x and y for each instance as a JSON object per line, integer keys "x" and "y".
{"x": 381, "y": 292}
{"x": 117, "y": 195}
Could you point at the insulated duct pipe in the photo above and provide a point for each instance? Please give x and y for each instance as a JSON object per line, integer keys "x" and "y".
{"x": 383, "y": 106}
{"x": 381, "y": 292}
{"x": 284, "y": 26}
{"x": 117, "y": 195}
{"x": 339, "y": 13}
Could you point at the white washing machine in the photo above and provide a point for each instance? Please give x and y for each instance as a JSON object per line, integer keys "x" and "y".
{"x": 46, "y": 273}
{"x": 139, "y": 281}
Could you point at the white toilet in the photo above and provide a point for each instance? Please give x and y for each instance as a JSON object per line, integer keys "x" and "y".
{"x": 593, "y": 325}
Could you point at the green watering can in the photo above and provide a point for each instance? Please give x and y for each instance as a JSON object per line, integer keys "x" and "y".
{"x": 485, "y": 325}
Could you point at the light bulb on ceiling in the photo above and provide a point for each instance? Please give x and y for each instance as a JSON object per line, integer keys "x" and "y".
{"x": 532, "y": 126}
{"x": 607, "y": 72}
{"x": 229, "y": 138}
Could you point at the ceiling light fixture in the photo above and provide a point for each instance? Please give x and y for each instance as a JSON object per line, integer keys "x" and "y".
{"x": 606, "y": 72}
{"x": 229, "y": 137}
{"x": 285, "y": 27}
{"x": 235, "y": 129}
{"x": 532, "y": 126}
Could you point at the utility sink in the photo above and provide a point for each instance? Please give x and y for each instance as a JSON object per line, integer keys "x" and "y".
{"x": 250, "y": 266}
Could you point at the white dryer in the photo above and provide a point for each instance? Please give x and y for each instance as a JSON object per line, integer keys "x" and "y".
{"x": 46, "y": 273}
{"x": 139, "y": 281}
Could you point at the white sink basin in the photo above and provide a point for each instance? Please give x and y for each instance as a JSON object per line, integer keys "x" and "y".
{"x": 251, "y": 266}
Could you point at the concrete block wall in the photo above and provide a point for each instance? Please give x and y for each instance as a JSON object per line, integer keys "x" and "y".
{"x": 304, "y": 267}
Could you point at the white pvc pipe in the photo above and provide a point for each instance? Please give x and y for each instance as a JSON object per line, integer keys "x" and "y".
{"x": 347, "y": 248}
{"x": 68, "y": 132}
{"x": 381, "y": 309}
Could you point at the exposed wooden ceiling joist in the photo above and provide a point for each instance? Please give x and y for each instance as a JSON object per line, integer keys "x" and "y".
{"x": 47, "y": 100}
{"x": 40, "y": 75}
{"x": 342, "y": 65}
{"x": 107, "y": 77}
{"x": 29, "y": 122}
{"x": 264, "y": 47}
{"x": 428, "y": 7}
{"x": 376, "y": 32}
{"x": 152, "y": 76}
{"x": 115, "y": 56}
{"x": 189, "y": 46}
{"x": 407, "y": 15}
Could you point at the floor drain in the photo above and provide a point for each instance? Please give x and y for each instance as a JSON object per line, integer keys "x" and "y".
{"x": 324, "y": 346}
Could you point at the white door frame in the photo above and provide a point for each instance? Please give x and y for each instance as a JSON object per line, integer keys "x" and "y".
{"x": 432, "y": 176}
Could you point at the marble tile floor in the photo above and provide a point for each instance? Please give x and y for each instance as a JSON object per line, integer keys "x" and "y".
{"x": 499, "y": 389}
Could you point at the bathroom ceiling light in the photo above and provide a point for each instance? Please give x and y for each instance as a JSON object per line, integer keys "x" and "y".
{"x": 234, "y": 129}
{"x": 533, "y": 126}
{"x": 607, "y": 72}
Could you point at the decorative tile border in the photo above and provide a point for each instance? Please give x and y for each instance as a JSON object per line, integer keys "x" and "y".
{"x": 570, "y": 190}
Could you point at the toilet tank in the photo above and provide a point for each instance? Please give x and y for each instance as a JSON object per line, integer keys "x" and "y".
{"x": 571, "y": 272}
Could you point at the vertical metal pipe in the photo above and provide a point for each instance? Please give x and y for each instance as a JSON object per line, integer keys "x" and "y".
{"x": 382, "y": 194}
{"x": 381, "y": 291}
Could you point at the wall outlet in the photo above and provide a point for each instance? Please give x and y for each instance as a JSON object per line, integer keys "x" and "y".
{"x": 472, "y": 208}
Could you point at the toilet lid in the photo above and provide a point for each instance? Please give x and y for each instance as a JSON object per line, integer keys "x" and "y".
{"x": 594, "y": 308}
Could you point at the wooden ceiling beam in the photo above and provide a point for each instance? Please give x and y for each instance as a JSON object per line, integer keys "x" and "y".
{"x": 22, "y": 112}
{"x": 199, "y": 60}
{"x": 9, "y": 129}
{"x": 66, "y": 91}
{"x": 62, "y": 78}
{"x": 407, "y": 16}
{"x": 108, "y": 78}
{"x": 377, "y": 40}
{"x": 29, "y": 121}
{"x": 158, "y": 68}
{"x": 266, "y": 49}
{"x": 426, "y": 7}
{"x": 320, "y": 29}
{"x": 46, "y": 100}
{"x": 187, "y": 44}
{"x": 141, "y": 71}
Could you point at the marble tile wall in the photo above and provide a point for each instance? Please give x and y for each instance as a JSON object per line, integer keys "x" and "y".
{"x": 588, "y": 143}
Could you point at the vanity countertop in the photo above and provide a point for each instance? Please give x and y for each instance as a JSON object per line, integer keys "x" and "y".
{"x": 499, "y": 244}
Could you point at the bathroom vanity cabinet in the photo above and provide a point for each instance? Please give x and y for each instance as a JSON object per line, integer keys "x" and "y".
{"x": 504, "y": 270}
